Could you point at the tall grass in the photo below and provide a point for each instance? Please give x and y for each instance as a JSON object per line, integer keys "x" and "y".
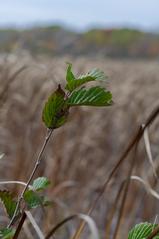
{"x": 86, "y": 149}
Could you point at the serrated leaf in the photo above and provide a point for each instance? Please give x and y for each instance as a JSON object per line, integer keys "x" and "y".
{"x": 94, "y": 74}
{"x": 7, "y": 233}
{"x": 8, "y": 202}
{"x": 40, "y": 183}
{"x": 142, "y": 231}
{"x": 69, "y": 74}
{"x": 32, "y": 199}
{"x": 73, "y": 83}
{"x": 95, "y": 96}
{"x": 55, "y": 111}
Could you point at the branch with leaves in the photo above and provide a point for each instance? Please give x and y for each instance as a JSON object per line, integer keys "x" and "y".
{"x": 54, "y": 115}
{"x": 56, "y": 109}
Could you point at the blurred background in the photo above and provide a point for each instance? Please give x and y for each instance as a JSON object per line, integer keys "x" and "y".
{"x": 110, "y": 28}
{"x": 121, "y": 38}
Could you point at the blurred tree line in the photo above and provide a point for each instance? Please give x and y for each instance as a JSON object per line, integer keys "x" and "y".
{"x": 56, "y": 40}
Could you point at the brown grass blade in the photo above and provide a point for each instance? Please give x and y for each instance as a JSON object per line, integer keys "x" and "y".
{"x": 136, "y": 138}
{"x": 148, "y": 151}
{"x": 113, "y": 210}
{"x": 86, "y": 218}
{"x": 126, "y": 189}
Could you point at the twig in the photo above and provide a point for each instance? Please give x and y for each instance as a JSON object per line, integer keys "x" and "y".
{"x": 37, "y": 163}
{"x": 32, "y": 221}
{"x": 18, "y": 230}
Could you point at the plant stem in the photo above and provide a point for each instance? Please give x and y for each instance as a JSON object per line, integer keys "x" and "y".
{"x": 37, "y": 163}
{"x": 20, "y": 226}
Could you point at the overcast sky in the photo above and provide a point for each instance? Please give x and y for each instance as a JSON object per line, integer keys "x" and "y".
{"x": 81, "y": 14}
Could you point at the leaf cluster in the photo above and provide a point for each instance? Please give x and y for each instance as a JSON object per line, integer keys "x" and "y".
{"x": 32, "y": 199}
{"x": 57, "y": 107}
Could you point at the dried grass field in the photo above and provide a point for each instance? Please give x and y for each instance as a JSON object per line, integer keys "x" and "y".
{"x": 81, "y": 154}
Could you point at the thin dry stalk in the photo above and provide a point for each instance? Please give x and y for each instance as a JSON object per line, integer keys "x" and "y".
{"x": 13, "y": 182}
{"x": 65, "y": 184}
{"x": 37, "y": 163}
{"x": 3, "y": 93}
{"x": 27, "y": 231}
{"x": 148, "y": 151}
{"x": 86, "y": 218}
{"x": 146, "y": 186}
{"x": 34, "y": 224}
{"x": 126, "y": 189}
{"x": 113, "y": 210}
{"x": 138, "y": 135}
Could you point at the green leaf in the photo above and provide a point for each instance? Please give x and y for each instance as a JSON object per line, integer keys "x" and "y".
{"x": 142, "y": 231}
{"x": 32, "y": 199}
{"x": 95, "y": 96}
{"x": 55, "y": 111}
{"x": 69, "y": 75}
{"x": 40, "y": 183}
{"x": 8, "y": 202}
{"x": 73, "y": 83}
{"x": 7, "y": 233}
